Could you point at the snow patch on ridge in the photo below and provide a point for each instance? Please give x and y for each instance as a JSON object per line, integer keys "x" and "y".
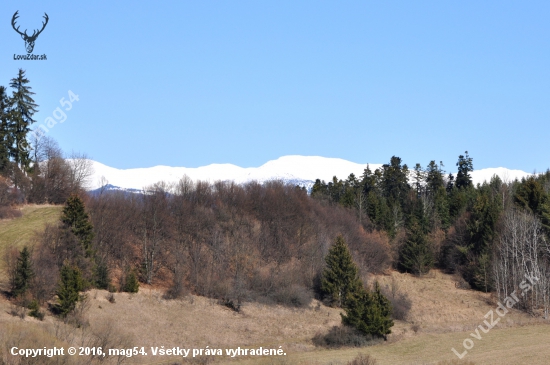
{"x": 300, "y": 170}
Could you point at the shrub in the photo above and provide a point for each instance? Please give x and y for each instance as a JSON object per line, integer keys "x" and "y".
{"x": 343, "y": 336}
{"x": 293, "y": 295}
{"x": 400, "y": 301}
{"x": 9, "y": 213}
{"x": 231, "y": 304}
{"x": 35, "y": 310}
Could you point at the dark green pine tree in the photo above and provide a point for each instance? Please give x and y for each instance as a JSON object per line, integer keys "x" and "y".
{"x": 319, "y": 189}
{"x": 22, "y": 110}
{"x": 416, "y": 255}
{"x": 6, "y": 141}
{"x": 531, "y": 196}
{"x": 394, "y": 182}
{"x": 380, "y": 317}
{"x": 369, "y": 312}
{"x": 434, "y": 177}
{"x": 465, "y": 166}
{"x": 23, "y": 274}
{"x": 101, "y": 275}
{"x": 131, "y": 283}
{"x": 349, "y": 191}
{"x": 482, "y": 223}
{"x": 418, "y": 179}
{"x": 441, "y": 206}
{"x": 68, "y": 290}
{"x": 74, "y": 216}
{"x": 340, "y": 279}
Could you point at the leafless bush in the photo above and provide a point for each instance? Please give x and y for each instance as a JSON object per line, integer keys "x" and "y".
{"x": 78, "y": 316}
{"x": 293, "y": 295}
{"x": 107, "y": 336}
{"x": 18, "y": 311}
{"x": 401, "y": 303}
{"x": 9, "y": 212}
{"x": 363, "y": 359}
{"x": 343, "y": 336}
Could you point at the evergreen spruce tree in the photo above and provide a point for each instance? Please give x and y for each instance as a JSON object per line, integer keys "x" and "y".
{"x": 465, "y": 166}
{"x": 23, "y": 108}
{"x": 68, "y": 291}
{"x": 441, "y": 202}
{"x": 394, "y": 182}
{"x": 131, "y": 284}
{"x": 434, "y": 177}
{"x": 6, "y": 141}
{"x": 319, "y": 189}
{"x": 530, "y": 195}
{"x": 340, "y": 278}
{"x": 380, "y": 317}
{"x": 23, "y": 273}
{"x": 416, "y": 255}
{"x": 74, "y": 216}
{"x": 418, "y": 179}
{"x": 369, "y": 313}
{"x": 102, "y": 279}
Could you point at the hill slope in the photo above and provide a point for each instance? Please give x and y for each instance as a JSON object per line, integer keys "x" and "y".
{"x": 446, "y": 316}
{"x": 19, "y": 231}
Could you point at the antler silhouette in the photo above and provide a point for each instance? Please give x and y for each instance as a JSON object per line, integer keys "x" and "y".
{"x": 43, "y": 26}
{"x": 15, "y": 16}
{"x": 29, "y": 40}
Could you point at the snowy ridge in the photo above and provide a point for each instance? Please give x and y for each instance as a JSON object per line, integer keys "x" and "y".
{"x": 298, "y": 170}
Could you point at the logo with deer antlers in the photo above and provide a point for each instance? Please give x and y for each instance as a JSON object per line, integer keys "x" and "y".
{"x": 29, "y": 39}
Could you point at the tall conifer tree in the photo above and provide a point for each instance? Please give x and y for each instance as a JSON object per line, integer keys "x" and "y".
{"x": 74, "y": 216}
{"x": 23, "y": 273}
{"x": 341, "y": 277}
{"x": 6, "y": 141}
{"x": 416, "y": 255}
{"x": 70, "y": 284}
{"x": 465, "y": 166}
{"x": 23, "y": 108}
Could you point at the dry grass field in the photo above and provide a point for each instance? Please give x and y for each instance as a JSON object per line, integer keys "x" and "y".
{"x": 442, "y": 316}
{"x": 19, "y": 231}
{"x": 146, "y": 319}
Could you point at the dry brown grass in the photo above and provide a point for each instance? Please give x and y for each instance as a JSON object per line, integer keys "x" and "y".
{"x": 439, "y": 306}
{"x": 20, "y": 231}
{"x": 442, "y": 314}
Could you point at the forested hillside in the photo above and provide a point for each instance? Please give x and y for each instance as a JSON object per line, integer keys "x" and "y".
{"x": 270, "y": 242}
{"x": 494, "y": 235}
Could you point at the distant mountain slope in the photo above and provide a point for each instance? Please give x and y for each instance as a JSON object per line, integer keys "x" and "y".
{"x": 300, "y": 170}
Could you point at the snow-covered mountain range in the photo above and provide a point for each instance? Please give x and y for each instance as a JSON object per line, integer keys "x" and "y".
{"x": 299, "y": 170}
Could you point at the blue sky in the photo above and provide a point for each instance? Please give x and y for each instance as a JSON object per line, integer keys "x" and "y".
{"x": 186, "y": 83}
